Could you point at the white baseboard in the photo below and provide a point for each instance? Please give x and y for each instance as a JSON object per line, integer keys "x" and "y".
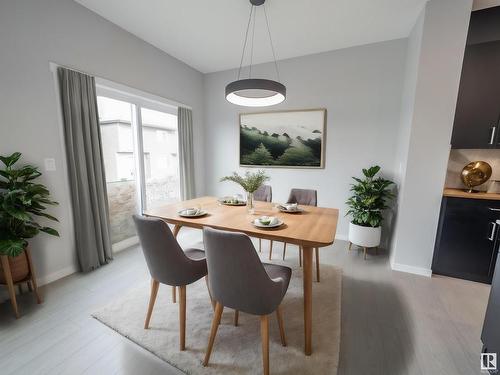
{"x": 411, "y": 269}
{"x": 117, "y": 247}
{"x": 125, "y": 244}
{"x": 56, "y": 275}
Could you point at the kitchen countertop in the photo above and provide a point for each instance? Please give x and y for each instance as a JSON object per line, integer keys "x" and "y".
{"x": 458, "y": 193}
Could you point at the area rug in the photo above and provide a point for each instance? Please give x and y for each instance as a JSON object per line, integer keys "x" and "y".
{"x": 237, "y": 350}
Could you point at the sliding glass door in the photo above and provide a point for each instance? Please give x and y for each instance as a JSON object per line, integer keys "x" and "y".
{"x": 140, "y": 149}
{"x": 161, "y": 160}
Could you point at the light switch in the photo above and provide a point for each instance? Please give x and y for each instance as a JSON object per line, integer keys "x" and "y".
{"x": 50, "y": 164}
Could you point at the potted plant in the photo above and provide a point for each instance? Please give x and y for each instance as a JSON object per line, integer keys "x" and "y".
{"x": 21, "y": 201}
{"x": 250, "y": 182}
{"x": 369, "y": 200}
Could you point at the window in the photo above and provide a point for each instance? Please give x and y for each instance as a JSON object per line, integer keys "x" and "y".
{"x": 160, "y": 142}
{"x": 140, "y": 151}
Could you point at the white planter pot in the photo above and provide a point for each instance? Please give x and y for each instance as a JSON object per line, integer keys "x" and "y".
{"x": 364, "y": 236}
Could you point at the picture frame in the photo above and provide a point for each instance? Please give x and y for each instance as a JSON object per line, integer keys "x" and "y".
{"x": 283, "y": 139}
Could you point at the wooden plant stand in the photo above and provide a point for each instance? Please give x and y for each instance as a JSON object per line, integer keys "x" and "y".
{"x": 364, "y": 249}
{"x": 30, "y": 280}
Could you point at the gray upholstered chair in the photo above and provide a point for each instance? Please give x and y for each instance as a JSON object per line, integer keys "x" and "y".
{"x": 306, "y": 197}
{"x": 168, "y": 264}
{"x": 263, "y": 194}
{"x": 240, "y": 281}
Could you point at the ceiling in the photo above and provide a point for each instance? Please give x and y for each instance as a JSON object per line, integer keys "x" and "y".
{"x": 208, "y": 35}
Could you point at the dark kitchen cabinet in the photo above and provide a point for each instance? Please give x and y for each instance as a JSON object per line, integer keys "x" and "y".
{"x": 466, "y": 238}
{"x": 478, "y": 105}
{"x": 477, "y": 115}
{"x": 490, "y": 335}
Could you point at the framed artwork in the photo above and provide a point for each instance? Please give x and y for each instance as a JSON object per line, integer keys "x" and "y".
{"x": 283, "y": 139}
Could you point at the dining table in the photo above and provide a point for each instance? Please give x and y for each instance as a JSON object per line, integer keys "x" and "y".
{"x": 312, "y": 227}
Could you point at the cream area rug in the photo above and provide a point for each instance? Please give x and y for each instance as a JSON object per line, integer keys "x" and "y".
{"x": 237, "y": 350}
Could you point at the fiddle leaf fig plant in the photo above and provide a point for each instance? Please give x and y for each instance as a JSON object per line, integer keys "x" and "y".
{"x": 370, "y": 197}
{"x": 21, "y": 201}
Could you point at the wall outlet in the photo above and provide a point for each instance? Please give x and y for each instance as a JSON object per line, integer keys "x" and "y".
{"x": 50, "y": 164}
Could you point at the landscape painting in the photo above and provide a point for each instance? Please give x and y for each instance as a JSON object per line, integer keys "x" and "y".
{"x": 288, "y": 139}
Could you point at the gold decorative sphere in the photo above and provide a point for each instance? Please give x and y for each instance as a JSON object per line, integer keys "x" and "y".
{"x": 476, "y": 173}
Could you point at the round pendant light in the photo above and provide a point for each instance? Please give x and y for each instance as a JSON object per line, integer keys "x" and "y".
{"x": 255, "y": 92}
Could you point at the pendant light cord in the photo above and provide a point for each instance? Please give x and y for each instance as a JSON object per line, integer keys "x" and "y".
{"x": 251, "y": 50}
{"x": 245, "y": 43}
{"x": 253, "y": 36}
{"x": 272, "y": 46}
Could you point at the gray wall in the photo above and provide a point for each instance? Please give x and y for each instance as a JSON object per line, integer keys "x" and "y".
{"x": 32, "y": 33}
{"x": 432, "y": 76}
{"x": 360, "y": 87}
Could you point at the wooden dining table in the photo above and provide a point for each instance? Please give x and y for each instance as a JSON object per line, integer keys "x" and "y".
{"x": 311, "y": 228}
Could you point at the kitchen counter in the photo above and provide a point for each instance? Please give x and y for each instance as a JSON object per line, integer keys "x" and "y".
{"x": 458, "y": 193}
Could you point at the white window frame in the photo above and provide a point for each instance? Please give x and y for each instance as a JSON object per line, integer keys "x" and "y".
{"x": 139, "y": 100}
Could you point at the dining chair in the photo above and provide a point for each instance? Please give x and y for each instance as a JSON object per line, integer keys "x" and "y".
{"x": 264, "y": 194}
{"x": 168, "y": 264}
{"x": 306, "y": 197}
{"x": 240, "y": 281}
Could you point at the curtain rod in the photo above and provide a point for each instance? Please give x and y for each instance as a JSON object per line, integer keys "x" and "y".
{"x": 54, "y": 65}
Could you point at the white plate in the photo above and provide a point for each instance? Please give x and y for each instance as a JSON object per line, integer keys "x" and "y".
{"x": 297, "y": 211}
{"x": 260, "y": 225}
{"x": 184, "y": 214}
{"x": 240, "y": 203}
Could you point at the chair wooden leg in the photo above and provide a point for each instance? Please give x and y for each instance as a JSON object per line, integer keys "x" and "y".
{"x": 209, "y": 293}
{"x": 213, "y": 331}
{"x": 30, "y": 287}
{"x": 182, "y": 317}
{"x": 155, "y": 284}
{"x": 174, "y": 294}
{"x": 271, "y": 250}
{"x": 279, "y": 315}
{"x": 300, "y": 256}
{"x": 284, "y": 250}
{"x": 236, "y": 316}
{"x": 316, "y": 252}
{"x": 33, "y": 276}
{"x": 260, "y": 245}
{"x": 10, "y": 285}
{"x": 350, "y": 246}
{"x": 264, "y": 333}
{"x": 176, "y": 230}
{"x": 364, "y": 250}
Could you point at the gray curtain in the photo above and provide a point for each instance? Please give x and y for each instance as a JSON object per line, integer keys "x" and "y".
{"x": 85, "y": 167}
{"x": 186, "y": 152}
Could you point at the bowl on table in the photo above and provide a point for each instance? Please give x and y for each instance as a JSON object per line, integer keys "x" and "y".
{"x": 232, "y": 201}
{"x": 292, "y": 208}
{"x": 192, "y": 212}
{"x": 267, "y": 222}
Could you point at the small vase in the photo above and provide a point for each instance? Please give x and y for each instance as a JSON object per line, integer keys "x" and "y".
{"x": 250, "y": 206}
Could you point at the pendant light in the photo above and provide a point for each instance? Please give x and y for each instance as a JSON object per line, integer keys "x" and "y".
{"x": 256, "y": 92}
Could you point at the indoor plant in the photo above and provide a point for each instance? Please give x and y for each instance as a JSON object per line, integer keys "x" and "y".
{"x": 369, "y": 199}
{"x": 250, "y": 182}
{"x": 21, "y": 201}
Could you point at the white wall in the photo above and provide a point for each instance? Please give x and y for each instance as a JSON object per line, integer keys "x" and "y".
{"x": 33, "y": 33}
{"x": 436, "y": 48}
{"x": 360, "y": 87}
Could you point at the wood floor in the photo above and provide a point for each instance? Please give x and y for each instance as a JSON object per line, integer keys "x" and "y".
{"x": 392, "y": 322}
